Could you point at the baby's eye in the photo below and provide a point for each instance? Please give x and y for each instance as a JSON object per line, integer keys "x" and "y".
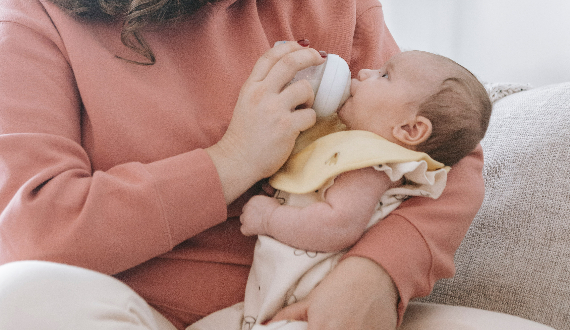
{"x": 385, "y": 75}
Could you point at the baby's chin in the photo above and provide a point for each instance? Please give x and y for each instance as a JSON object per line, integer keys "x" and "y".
{"x": 342, "y": 111}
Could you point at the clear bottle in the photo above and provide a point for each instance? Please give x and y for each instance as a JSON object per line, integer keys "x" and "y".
{"x": 313, "y": 74}
{"x": 330, "y": 82}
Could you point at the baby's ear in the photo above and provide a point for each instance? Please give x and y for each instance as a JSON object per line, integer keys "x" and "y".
{"x": 414, "y": 132}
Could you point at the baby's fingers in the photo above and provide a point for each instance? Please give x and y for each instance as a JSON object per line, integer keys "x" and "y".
{"x": 250, "y": 222}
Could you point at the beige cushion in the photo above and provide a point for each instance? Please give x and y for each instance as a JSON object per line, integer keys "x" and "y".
{"x": 516, "y": 255}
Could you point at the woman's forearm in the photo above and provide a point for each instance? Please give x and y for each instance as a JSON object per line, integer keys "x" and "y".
{"x": 416, "y": 243}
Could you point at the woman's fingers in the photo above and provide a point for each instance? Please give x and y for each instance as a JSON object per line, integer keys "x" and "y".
{"x": 297, "y": 312}
{"x": 298, "y": 94}
{"x": 304, "y": 119}
{"x": 270, "y": 57}
{"x": 265, "y": 122}
{"x": 285, "y": 69}
{"x": 279, "y": 65}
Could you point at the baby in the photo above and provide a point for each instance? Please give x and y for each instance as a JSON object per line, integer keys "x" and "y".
{"x": 419, "y": 101}
{"x": 329, "y": 193}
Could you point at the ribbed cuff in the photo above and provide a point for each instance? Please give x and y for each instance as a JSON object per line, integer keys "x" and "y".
{"x": 191, "y": 193}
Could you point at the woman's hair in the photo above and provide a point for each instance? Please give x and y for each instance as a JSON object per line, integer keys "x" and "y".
{"x": 459, "y": 112}
{"x": 135, "y": 14}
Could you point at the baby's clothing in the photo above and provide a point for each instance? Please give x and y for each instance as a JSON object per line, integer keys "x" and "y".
{"x": 281, "y": 274}
{"x": 340, "y": 152}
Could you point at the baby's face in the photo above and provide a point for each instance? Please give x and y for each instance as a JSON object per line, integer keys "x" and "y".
{"x": 382, "y": 99}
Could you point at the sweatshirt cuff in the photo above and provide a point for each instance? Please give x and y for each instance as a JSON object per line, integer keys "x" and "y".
{"x": 396, "y": 245}
{"x": 190, "y": 192}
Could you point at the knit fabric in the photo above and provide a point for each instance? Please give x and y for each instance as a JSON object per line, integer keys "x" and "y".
{"x": 499, "y": 90}
{"x": 516, "y": 256}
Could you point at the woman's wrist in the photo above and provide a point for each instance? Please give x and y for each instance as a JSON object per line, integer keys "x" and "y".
{"x": 375, "y": 274}
{"x": 236, "y": 174}
{"x": 356, "y": 294}
{"x": 375, "y": 278}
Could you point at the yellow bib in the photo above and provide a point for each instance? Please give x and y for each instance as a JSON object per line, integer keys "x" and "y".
{"x": 339, "y": 152}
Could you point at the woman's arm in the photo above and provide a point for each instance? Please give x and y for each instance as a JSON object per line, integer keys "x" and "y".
{"x": 57, "y": 203}
{"x": 430, "y": 229}
{"x": 54, "y": 206}
{"x": 263, "y": 129}
{"x": 330, "y": 225}
{"x": 357, "y": 294}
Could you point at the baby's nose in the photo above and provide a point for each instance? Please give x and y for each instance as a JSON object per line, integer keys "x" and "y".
{"x": 364, "y": 74}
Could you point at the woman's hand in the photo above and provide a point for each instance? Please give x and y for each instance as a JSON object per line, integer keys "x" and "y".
{"x": 357, "y": 294}
{"x": 265, "y": 124}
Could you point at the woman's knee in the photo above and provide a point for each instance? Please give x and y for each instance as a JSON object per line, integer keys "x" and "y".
{"x": 66, "y": 297}
{"x": 35, "y": 279}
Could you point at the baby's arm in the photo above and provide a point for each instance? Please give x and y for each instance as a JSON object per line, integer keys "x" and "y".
{"x": 331, "y": 225}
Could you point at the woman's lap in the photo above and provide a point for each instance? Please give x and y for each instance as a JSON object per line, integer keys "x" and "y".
{"x": 428, "y": 316}
{"x": 44, "y": 295}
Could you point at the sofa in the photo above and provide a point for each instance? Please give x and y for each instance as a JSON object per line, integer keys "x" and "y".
{"x": 513, "y": 267}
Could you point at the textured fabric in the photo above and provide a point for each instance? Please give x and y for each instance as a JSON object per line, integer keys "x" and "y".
{"x": 516, "y": 255}
{"x": 341, "y": 152}
{"x": 51, "y": 296}
{"x": 497, "y": 91}
{"x": 281, "y": 274}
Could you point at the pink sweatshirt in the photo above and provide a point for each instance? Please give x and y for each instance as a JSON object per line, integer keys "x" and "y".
{"x": 102, "y": 162}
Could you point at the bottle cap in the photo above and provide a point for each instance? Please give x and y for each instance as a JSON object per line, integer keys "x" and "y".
{"x": 334, "y": 89}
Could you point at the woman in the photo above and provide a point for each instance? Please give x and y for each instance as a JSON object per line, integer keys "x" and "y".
{"x": 127, "y": 147}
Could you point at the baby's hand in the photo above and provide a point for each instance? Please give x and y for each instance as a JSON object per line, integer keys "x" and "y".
{"x": 255, "y": 215}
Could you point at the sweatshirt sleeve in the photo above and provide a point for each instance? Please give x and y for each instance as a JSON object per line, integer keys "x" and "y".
{"x": 373, "y": 44}
{"x": 416, "y": 243}
{"x": 53, "y": 205}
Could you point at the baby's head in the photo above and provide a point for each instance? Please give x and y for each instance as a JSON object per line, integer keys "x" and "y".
{"x": 421, "y": 101}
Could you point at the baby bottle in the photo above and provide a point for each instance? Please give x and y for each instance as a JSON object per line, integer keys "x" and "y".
{"x": 330, "y": 82}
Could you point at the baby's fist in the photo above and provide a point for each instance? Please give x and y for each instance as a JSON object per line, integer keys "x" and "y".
{"x": 255, "y": 215}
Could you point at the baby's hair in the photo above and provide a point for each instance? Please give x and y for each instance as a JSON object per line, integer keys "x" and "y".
{"x": 459, "y": 112}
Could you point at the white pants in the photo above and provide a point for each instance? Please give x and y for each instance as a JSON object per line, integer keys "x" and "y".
{"x": 42, "y": 295}
{"x": 419, "y": 316}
